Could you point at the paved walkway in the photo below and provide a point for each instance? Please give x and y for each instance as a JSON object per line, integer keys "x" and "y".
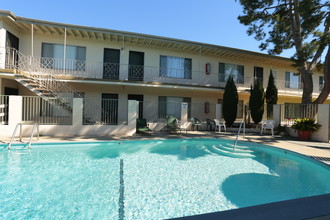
{"x": 316, "y": 150}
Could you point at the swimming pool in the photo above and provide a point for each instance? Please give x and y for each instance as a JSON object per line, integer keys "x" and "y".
{"x": 153, "y": 179}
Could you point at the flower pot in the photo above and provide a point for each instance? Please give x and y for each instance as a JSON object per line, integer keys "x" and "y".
{"x": 304, "y": 135}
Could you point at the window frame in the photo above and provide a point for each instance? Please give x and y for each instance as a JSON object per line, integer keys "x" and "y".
{"x": 238, "y": 77}
{"x": 49, "y": 61}
{"x": 288, "y": 80}
{"x": 166, "y": 71}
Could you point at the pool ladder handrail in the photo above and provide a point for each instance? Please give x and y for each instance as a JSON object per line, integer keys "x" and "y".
{"x": 20, "y": 134}
{"x": 239, "y": 130}
{"x": 34, "y": 127}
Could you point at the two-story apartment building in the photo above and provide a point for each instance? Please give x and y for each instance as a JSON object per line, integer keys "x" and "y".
{"x": 109, "y": 67}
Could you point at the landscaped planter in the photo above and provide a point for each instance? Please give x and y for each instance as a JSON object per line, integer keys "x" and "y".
{"x": 304, "y": 135}
{"x": 305, "y": 127}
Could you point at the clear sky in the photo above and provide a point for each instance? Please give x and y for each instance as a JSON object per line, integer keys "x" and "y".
{"x": 208, "y": 21}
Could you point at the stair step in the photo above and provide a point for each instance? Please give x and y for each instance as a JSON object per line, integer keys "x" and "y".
{"x": 232, "y": 154}
{"x": 33, "y": 84}
{"x": 47, "y": 94}
{"x": 231, "y": 149}
{"x": 41, "y": 89}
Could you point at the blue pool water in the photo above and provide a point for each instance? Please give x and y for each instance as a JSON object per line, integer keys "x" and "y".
{"x": 154, "y": 179}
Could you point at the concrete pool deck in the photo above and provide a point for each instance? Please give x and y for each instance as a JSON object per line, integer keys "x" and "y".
{"x": 316, "y": 150}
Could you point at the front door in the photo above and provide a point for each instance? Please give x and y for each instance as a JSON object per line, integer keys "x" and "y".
{"x": 111, "y": 60}
{"x": 136, "y": 66}
{"x": 138, "y": 98}
{"x": 12, "y": 44}
{"x": 259, "y": 74}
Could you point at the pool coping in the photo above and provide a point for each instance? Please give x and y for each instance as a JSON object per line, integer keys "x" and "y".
{"x": 316, "y": 150}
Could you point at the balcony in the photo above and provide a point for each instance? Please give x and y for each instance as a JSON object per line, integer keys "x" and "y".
{"x": 134, "y": 73}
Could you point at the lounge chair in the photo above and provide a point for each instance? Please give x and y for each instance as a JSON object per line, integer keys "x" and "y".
{"x": 219, "y": 124}
{"x": 267, "y": 124}
{"x": 172, "y": 124}
{"x": 142, "y": 126}
{"x": 195, "y": 122}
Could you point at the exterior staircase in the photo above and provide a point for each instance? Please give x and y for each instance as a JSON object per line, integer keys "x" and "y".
{"x": 36, "y": 74}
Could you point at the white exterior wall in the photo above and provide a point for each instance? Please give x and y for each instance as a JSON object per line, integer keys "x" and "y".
{"x": 95, "y": 49}
{"x": 2, "y": 46}
{"x": 15, "y": 104}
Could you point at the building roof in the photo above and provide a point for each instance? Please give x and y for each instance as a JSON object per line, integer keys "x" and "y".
{"x": 85, "y": 32}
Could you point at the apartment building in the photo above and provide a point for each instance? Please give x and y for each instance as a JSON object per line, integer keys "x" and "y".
{"x": 107, "y": 68}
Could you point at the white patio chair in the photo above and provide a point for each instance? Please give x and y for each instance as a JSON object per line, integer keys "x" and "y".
{"x": 219, "y": 124}
{"x": 183, "y": 126}
{"x": 267, "y": 124}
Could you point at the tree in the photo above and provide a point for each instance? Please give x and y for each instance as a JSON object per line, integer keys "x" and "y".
{"x": 285, "y": 24}
{"x": 271, "y": 94}
{"x": 230, "y": 101}
{"x": 256, "y": 103}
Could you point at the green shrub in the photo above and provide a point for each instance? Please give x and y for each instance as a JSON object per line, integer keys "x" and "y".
{"x": 230, "y": 101}
{"x": 305, "y": 124}
{"x": 271, "y": 95}
{"x": 256, "y": 103}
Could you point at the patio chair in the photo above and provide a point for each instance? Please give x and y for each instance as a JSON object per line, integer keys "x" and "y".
{"x": 267, "y": 124}
{"x": 142, "y": 126}
{"x": 219, "y": 124}
{"x": 172, "y": 124}
{"x": 195, "y": 122}
{"x": 209, "y": 124}
{"x": 183, "y": 126}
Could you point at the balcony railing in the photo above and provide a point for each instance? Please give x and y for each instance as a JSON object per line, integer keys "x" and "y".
{"x": 126, "y": 72}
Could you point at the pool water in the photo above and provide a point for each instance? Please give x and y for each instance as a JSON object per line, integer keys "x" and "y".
{"x": 154, "y": 179}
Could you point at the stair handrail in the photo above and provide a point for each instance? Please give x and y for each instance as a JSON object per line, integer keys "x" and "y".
{"x": 33, "y": 129}
{"x": 20, "y": 134}
{"x": 239, "y": 130}
{"x": 31, "y": 67}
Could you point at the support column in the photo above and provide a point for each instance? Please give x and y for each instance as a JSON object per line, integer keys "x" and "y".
{"x": 132, "y": 116}
{"x": 32, "y": 39}
{"x": 77, "y": 113}
{"x": 323, "y": 119}
{"x": 15, "y": 110}
{"x": 2, "y": 48}
{"x": 1, "y": 89}
{"x": 277, "y": 115}
{"x": 184, "y": 112}
{"x": 124, "y": 63}
{"x": 218, "y": 111}
{"x": 64, "y": 49}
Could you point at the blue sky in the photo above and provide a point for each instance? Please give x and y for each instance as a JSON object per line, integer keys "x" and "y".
{"x": 208, "y": 21}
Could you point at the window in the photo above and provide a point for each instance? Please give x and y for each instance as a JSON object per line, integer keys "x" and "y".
{"x": 53, "y": 57}
{"x": 321, "y": 82}
{"x": 292, "y": 80}
{"x": 175, "y": 67}
{"x": 237, "y": 71}
{"x": 172, "y": 106}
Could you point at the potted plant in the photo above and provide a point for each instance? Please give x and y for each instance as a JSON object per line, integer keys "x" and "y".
{"x": 282, "y": 130}
{"x": 305, "y": 127}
